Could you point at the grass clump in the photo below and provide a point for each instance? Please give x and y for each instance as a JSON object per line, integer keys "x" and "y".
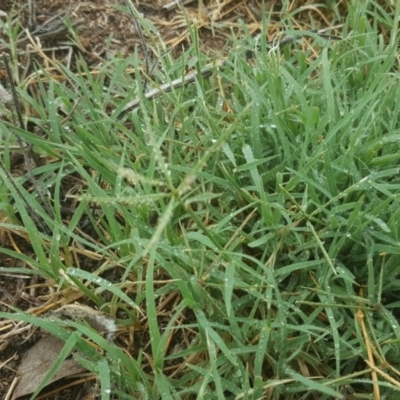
{"x": 242, "y": 230}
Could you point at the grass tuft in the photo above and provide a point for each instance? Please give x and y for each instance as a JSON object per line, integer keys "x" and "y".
{"x": 242, "y": 231}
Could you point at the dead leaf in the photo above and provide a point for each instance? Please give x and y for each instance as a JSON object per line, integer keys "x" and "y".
{"x": 37, "y": 362}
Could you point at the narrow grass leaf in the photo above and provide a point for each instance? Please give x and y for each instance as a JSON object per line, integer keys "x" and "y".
{"x": 151, "y": 309}
{"x": 229, "y": 282}
{"x": 105, "y": 379}
{"x": 313, "y": 385}
{"x": 213, "y": 335}
{"x": 104, "y": 284}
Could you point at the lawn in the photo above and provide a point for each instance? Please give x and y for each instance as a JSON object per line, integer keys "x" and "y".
{"x": 235, "y": 235}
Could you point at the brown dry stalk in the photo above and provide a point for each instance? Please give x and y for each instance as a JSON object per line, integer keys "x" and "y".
{"x": 370, "y": 361}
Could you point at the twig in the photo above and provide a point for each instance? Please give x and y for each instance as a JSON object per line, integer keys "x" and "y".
{"x": 176, "y": 3}
{"x": 32, "y": 13}
{"x": 209, "y": 69}
{"x": 167, "y": 87}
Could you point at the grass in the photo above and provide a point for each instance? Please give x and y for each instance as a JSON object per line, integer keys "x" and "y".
{"x": 251, "y": 219}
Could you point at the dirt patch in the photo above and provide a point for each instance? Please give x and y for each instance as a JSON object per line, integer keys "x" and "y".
{"x": 100, "y": 29}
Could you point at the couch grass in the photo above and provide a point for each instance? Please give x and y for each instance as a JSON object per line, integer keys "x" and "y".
{"x": 253, "y": 218}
